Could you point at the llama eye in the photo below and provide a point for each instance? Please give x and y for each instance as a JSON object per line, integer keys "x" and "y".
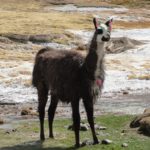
{"x": 99, "y": 31}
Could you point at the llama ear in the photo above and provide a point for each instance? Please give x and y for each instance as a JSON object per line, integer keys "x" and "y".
{"x": 109, "y": 23}
{"x": 95, "y": 23}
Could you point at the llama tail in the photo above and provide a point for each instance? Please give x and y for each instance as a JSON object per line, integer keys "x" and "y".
{"x": 37, "y": 71}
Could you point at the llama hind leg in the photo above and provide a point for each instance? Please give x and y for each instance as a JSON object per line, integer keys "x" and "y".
{"x": 88, "y": 103}
{"x": 76, "y": 121}
{"x": 51, "y": 114}
{"x": 42, "y": 99}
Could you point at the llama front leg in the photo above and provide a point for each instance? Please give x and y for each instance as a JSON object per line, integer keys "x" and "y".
{"x": 42, "y": 99}
{"x": 51, "y": 114}
{"x": 88, "y": 103}
{"x": 76, "y": 121}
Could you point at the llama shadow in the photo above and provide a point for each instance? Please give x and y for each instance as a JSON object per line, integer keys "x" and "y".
{"x": 35, "y": 145}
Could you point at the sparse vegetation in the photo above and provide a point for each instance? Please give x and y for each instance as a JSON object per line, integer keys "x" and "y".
{"x": 132, "y": 3}
{"x": 140, "y": 77}
{"x": 29, "y": 17}
{"x": 26, "y": 135}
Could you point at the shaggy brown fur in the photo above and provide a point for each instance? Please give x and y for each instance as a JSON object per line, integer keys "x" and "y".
{"x": 69, "y": 77}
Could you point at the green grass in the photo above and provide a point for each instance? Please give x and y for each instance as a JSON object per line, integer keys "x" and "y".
{"x": 27, "y": 136}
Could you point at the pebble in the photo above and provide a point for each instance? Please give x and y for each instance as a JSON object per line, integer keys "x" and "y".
{"x": 1, "y": 121}
{"x": 83, "y": 127}
{"x": 124, "y": 145}
{"x": 125, "y": 92}
{"x": 106, "y": 141}
{"x": 98, "y": 127}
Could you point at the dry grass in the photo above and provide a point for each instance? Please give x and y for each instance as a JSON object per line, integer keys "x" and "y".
{"x": 79, "y": 3}
{"x": 28, "y": 17}
{"x": 53, "y": 22}
{"x": 27, "y": 82}
{"x": 21, "y": 5}
{"x": 42, "y": 23}
{"x": 132, "y": 25}
{"x": 146, "y": 65}
{"x": 140, "y": 77}
{"x": 18, "y": 56}
{"x": 25, "y": 72}
{"x": 132, "y": 3}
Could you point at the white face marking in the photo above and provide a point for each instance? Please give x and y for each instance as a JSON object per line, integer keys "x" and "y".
{"x": 105, "y": 33}
{"x": 100, "y": 48}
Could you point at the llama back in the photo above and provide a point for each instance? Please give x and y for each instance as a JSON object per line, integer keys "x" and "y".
{"x": 36, "y": 74}
{"x": 56, "y": 67}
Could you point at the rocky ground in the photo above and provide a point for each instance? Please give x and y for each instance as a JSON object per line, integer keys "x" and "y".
{"x": 25, "y": 31}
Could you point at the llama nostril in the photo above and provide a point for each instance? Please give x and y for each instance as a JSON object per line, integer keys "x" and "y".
{"x": 107, "y": 38}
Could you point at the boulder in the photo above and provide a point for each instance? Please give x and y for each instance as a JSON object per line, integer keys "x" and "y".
{"x": 121, "y": 44}
{"x": 145, "y": 126}
{"x": 115, "y": 45}
{"x": 146, "y": 111}
{"x": 143, "y": 122}
{"x": 17, "y": 37}
{"x": 41, "y": 38}
{"x": 136, "y": 122}
{"x": 5, "y": 40}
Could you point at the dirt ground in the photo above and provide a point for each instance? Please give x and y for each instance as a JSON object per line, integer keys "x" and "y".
{"x": 119, "y": 103}
{"x": 16, "y": 59}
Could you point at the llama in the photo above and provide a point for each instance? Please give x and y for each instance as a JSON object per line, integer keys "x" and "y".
{"x": 70, "y": 77}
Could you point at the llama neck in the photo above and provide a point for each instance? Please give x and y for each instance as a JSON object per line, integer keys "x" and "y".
{"x": 94, "y": 59}
{"x": 99, "y": 64}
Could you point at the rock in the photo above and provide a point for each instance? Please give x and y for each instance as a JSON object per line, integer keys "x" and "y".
{"x": 5, "y": 40}
{"x": 28, "y": 111}
{"x": 106, "y": 141}
{"x": 1, "y": 121}
{"x": 14, "y": 130}
{"x": 17, "y": 37}
{"x": 143, "y": 122}
{"x": 145, "y": 125}
{"x": 124, "y": 145}
{"x": 121, "y": 44}
{"x": 97, "y": 127}
{"x": 147, "y": 110}
{"x": 81, "y": 47}
{"x": 7, "y": 132}
{"x": 41, "y": 38}
{"x": 125, "y": 92}
{"x": 86, "y": 142}
{"x": 25, "y": 112}
{"x": 115, "y": 45}
{"x": 136, "y": 121}
{"x": 83, "y": 127}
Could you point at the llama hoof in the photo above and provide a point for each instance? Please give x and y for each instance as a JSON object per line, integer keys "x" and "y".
{"x": 42, "y": 138}
{"x": 96, "y": 142}
{"x": 77, "y": 145}
{"x": 51, "y": 136}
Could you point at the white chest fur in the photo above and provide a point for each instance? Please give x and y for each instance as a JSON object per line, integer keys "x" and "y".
{"x": 100, "y": 55}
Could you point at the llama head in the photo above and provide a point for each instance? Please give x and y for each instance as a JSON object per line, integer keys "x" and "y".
{"x": 102, "y": 30}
